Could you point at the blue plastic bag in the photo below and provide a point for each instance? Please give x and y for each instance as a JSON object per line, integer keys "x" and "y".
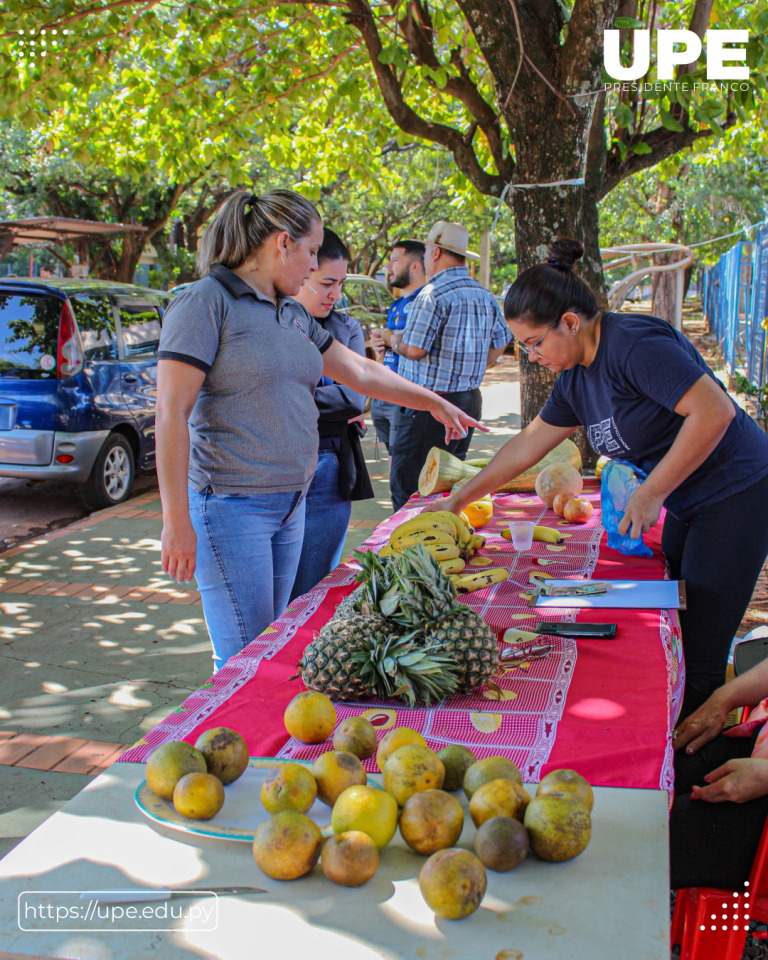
{"x": 618, "y": 482}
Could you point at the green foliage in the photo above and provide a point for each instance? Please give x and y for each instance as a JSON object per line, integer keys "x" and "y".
{"x": 690, "y": 198}
{"x": 759, "y": 394}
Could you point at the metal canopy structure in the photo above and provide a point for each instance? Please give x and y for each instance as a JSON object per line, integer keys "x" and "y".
{"x": 57, "y": 230}
{"x": 51, "y": 231}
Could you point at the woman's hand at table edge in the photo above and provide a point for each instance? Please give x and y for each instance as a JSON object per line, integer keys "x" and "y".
{"x": 703, "y": 724}
{"x": 179, "y": 549}
{"x": 738, "y": 781}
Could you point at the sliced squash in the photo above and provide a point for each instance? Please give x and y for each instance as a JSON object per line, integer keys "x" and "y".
{"x": 442, "y": 471}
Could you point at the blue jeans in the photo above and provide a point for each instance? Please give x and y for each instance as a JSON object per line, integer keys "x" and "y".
{"x": 325, "y": 528}
{"x": 248, "y": 548}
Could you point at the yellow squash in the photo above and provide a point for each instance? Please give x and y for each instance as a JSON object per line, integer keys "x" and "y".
{"x": 442, "y": 471}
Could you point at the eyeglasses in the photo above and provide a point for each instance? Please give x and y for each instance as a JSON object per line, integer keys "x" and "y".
{"x": 533, "y": 350}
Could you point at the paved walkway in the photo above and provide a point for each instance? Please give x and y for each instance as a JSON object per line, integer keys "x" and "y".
{"x": 98, "y": 645}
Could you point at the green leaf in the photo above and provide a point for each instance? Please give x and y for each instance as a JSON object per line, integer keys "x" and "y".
{"x": 641, "y": 148}
{"x": 623, "y": 115}
{"x": 387, "y": 54}
{"x": 628, "y": 23}
{"x": 669, "y": 122}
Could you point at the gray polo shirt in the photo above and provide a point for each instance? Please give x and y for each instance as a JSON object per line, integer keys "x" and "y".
{"x": 253, "y": 428}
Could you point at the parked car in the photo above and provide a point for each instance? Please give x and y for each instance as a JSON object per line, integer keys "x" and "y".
{"x": 368, "y": 300}
{"x": 78, "y": 379}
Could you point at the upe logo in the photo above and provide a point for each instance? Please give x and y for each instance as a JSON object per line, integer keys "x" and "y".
{"x": 667, "y": 58}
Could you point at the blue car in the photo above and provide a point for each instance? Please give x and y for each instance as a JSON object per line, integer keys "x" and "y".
{"x": 78, "y": 380}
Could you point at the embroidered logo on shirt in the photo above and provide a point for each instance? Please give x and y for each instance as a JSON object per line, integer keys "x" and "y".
{"x": 602, "y": 435}
{"x": 301, "y": 330}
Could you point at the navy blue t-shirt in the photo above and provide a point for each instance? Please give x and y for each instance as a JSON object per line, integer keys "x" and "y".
{"x": 625, "y": 399}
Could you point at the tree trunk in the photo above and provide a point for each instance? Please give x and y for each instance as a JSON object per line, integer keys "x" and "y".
{"x": 132, "y": 248}
{"x": 541, "y": 215}
{"x": 664, "y": 295}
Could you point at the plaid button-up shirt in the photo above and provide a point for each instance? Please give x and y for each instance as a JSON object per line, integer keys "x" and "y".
{"x": 456, "y": 321}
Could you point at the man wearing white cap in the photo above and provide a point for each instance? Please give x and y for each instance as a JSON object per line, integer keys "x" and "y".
{"x": 455, "y": 330}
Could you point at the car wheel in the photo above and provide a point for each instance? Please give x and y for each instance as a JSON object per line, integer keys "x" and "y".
{"x": 112, "y": 476}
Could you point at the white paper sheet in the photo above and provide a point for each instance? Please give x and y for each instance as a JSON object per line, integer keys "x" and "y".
{"x": 623, "y": 595}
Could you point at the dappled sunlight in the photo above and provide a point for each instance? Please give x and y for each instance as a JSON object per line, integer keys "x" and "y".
{"x": 120, "y": 618}
{"x": 145, "y": 857}
{"x": 146, "y": 543}
{"x": 298, "y": 936}
{"x": 596, "y": 708}
{"x": 123, "y": 697}
{"x": 408, "y": 908}
{"x": 11, "y": 608}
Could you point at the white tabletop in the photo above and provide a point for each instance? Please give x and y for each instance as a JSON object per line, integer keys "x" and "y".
{"x": 611, "y": 901}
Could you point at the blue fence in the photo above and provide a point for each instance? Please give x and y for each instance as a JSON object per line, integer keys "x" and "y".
{"x": 735, "y": 295}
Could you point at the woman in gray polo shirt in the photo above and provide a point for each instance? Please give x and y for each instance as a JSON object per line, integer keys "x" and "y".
{"x": 236, "y": 421}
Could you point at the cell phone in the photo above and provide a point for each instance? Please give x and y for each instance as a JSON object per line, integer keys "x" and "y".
{"x": 596, "y": 631}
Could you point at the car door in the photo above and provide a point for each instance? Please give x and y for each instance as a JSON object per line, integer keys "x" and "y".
{"x": 138, "y": 321}
{"x": 29, "y": 337}
{"x": 96, "y": 403}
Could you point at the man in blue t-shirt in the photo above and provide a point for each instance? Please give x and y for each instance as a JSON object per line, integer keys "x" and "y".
{"x": 406, "y": 271}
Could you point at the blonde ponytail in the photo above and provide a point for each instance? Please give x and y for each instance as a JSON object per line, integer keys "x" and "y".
{"x": 244, "y": 222}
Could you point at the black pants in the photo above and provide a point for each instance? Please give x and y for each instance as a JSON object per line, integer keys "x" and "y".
{"x": 719, "y": 554}
{"x": 417, "y": 432}
{"x": 712, "y": 844}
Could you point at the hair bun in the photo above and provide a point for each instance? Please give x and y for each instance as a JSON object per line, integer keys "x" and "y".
{"x": 564, "y": 252}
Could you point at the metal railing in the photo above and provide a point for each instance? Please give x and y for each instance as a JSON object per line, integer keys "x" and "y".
{"x": 642, "y": 259}
{"x": 735, "y": 298}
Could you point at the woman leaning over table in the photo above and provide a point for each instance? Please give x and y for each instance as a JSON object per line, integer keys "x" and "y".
{"x": 236, "y": 425}
{"x": 644, "y": 394}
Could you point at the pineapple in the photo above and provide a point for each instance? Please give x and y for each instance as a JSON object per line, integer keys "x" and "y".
{"x": 367, "y": 656}
{"x": 425, "y": 599}
{"x": 327, "y": 665}
{"x": 376, "y": 577}
{"x": 401, "y": 633}
{"x": 403, "y": 667}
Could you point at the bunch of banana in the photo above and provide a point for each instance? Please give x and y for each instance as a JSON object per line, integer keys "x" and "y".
{"x": 443, "y": 534}
{"x": 542, "y": 534}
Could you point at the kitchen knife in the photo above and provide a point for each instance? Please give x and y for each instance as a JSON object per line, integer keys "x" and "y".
{"x": 165, "y": 893}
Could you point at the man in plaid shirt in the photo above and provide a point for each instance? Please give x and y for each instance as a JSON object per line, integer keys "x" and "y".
{"x": 455, "y": 330}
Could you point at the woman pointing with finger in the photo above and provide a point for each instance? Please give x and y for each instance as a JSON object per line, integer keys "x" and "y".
{"x": 643, "y": 393}
{"x": 236, "y": 424}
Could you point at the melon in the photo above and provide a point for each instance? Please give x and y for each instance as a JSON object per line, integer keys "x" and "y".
{"x": 558, "y": 478}
{"x": 442, "y": 471}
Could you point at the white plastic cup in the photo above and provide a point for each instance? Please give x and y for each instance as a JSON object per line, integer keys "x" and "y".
{"x": 521, "y": 532}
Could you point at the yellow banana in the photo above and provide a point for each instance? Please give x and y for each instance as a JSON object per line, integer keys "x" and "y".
{"x": 454, "y": 566}
{"x": 542, "y": 534}
{"x": 440, "y": 551}
{"x": 421, "y": 536}
{"x": 386, "y": 552}
{"x": 547, "y": 535}
{"x": 476, "y": 542}
{"x": 452, "y": 518}
{"x": 423, "y": 523}
{"x": 476, "y": 581}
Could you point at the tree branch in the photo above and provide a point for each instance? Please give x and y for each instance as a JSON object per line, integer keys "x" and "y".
{"x": 361, "y": 16}
{"x": 663, "y": 143}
